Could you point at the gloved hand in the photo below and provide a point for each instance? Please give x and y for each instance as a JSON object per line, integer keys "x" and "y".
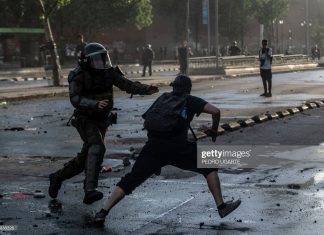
{"x": 151, "y": 90}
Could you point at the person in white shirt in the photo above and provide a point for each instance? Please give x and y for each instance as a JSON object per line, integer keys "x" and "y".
{"x": 265, "y": 57}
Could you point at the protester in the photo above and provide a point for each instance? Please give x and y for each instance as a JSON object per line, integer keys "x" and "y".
{"x": 167, "y": 122}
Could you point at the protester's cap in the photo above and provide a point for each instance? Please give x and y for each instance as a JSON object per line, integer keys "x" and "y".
{"x": 182, "y": 84}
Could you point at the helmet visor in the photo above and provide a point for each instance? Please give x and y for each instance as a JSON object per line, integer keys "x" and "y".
{"x": 99, "y": 61}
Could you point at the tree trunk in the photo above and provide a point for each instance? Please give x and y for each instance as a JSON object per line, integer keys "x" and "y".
{"x": 51, "y": 46}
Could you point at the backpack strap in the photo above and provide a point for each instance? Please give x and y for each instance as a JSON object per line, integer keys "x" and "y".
{"x": 191, "y": 130}
{"x": 193, "y": 133}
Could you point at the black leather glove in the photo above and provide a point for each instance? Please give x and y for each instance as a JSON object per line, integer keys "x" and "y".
{"x": 151, "y": 90}
{"x": 212, "y": 133}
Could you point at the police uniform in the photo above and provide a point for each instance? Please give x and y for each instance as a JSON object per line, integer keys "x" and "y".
{"x": 86, "y": 88}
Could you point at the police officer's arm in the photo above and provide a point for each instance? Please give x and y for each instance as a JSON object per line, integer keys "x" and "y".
{"x": 215, "y": 112}
{"x": 131, "y": 87}
{"x": 76, "y": 98}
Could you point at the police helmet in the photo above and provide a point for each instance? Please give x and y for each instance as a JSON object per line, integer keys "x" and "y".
{"x": 94, "y": 57}
{"x": 182, "y": 84}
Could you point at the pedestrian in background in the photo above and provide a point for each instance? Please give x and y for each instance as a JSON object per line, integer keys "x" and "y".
{"x": 234, "y": 49}
{"x": 316, "y": 53}
{"x": 183, "y": 52}
{"x": 164, "y": 52}
{"x": 147, "y": 59}
{"x": 265, "y": 57}
{"x": 80, "y": 47}
{"x": 115, "y": 56}
{"x": 161, "y": 53}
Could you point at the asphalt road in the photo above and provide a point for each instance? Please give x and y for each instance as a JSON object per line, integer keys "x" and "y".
{"x": 284, "y": 197}
{"x": 45, "y": 121}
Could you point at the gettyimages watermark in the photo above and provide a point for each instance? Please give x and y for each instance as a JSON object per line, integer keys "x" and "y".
{"x": 252, "y": 156}
{"x": 8, "y": 228}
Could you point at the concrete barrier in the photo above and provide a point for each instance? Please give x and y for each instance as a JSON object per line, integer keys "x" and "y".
{"x": 244, "y": 65}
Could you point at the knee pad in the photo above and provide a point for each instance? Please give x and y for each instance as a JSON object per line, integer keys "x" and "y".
{"x": 97, "y": 150}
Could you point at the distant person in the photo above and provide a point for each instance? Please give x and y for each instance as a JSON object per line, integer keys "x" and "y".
{"x": 164, "y": 52}
{"x": 161, "y": 52}
{"x": 316, "y": 53}
{"x": 80, "y": 47}
{"x": 115, "y": 56}
{"x": 176, "y": 53}
{"x": 183, "y": 52}
{"x": 234, "y": 49}
{"x": 167, "y": 122}
{"x": 147, "y": 59}
{"x": 223, "y": 51}
{"x": 265, "y": 57}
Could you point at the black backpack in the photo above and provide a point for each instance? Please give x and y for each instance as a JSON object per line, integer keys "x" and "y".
{"x": 167, "y": 114}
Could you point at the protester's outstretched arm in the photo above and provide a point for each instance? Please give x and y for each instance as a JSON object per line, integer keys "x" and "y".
{"x": 215, "y": 112}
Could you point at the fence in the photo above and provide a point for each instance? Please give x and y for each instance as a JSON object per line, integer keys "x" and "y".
{"x": 204, "y": 65}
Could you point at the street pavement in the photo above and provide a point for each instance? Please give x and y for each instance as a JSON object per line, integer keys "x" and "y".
{"x": 281, "y": 198}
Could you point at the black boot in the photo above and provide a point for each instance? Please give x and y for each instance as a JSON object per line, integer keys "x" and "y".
{"x": 55, "y": 185}
{"x": 92, "y": 196}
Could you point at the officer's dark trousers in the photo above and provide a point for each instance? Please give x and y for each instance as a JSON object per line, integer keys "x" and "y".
{"x": 266, "y": 76}
{"x": 149, "y": 65}
{"x": 183, "y": 67}
{"x": 156, "y": 154}
{"x": 91, "y": 156}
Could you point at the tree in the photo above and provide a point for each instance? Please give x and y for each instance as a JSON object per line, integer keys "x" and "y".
{"x": 268, "y": 11}
{"x": 47, "y": 8}
{"x": 175, "y": 9}
{"x": 93, "y": 16}
{"x": 233, "y": 16}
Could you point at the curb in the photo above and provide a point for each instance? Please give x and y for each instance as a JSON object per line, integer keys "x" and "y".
{"x": 23, "y": 79}
{"x": 52, "y": 91}
{"x": 153, "y": 71}
{"x": 233, "y": 126}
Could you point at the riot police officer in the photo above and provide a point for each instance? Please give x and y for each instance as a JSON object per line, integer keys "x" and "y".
{"x": 91, "y": 94}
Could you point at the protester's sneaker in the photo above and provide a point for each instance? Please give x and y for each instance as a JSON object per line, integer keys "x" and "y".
{"x": 263, "y": 94}
{"x": 55, "y": 185}
{"x": 268, "y": 95}
{"x": 229, "y": 207}
{"x": 158, "y": 172}
{"x": 92, "y": 196}
{"x": 100, "y": 217}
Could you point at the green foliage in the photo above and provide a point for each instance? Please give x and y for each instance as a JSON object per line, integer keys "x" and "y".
{"x": 175, "y": 9}
{"x": 78, "y": 14}
{"x": 233, "y": 17}
{"x": 19, "y": 13}
{"x": 317, "y": 34}
{"x": 266, "y": 11}
{"x": 93, "y": 15}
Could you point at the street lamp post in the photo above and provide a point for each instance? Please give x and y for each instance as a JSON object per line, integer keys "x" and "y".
{"x": 216, "y": 35}
{"x": 282, "y": 40}
{"x": 187, "y": 35}
{"x": 307, "y": 24}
